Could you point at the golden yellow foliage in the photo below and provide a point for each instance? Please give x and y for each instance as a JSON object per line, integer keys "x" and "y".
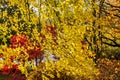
{"x": 63, "y": 25}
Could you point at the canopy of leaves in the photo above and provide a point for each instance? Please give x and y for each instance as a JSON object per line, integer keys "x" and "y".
{"x": 57, "y": 29}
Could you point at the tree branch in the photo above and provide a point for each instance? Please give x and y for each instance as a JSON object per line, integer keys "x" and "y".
{"x": 113, "y": 14}
{"x": 112, "y": 5}
{"x": 115, "y": 44}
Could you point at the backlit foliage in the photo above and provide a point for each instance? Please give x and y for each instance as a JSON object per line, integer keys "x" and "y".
{"x": 65, "y": 41}
{"x": 29, "y": 39}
